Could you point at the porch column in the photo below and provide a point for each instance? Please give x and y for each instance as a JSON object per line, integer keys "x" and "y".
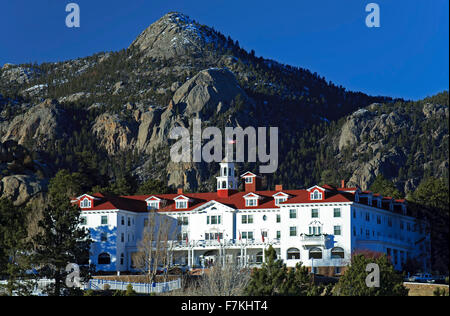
{"x": 189, "y": 257}
{"x": 264, "y": 254}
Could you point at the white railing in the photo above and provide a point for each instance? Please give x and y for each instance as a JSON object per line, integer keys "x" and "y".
{"x": 225, "y": 243}
{"x": 144, "y": 288}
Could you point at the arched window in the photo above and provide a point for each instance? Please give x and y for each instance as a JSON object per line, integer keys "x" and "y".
{"x": 337, "y": 253}
{"x": 104, "y": 258}
{"x": 224, "y": 184}
{"x": 293, "y": 253}
{"x": 315, "y": 253}
{"x": 224, "y": 171}
{"x": 85, "y": 203}
{"x": 316, "y": 195}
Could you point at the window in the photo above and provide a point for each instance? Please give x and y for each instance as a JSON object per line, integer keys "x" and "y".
{"x": 278, "y": 218}
{"x": 337, "y": 270}
{"x": 337, "y": 212}
{"x": 122, "y": 237}
{"x": 85, "y": 203}
{"x": 251, "y": 202}
{"x": 401, "y": 225}
{"x": 367, "y": 217}
{"x": 214, "y": 220}
{"x": 247, "y": 235}
{"x": 104, "y": 258}
{"x": 181, "y": 204}
{"x": 337, "y": 253}
{"x": 293, "y": 254}
{"x": 337, "y": 230}
{"x": 121, "y": 259}
{"x": 354, "y": 214}
{"x": 278, "y": 234}
{"x": 83, "y": 220}
{"x": 389, "y": 222}
{"x": 354, "y": 231}
{"x": 315, "y": 230}
{"x": 153, "y": 205}
{"x": 183, "y": 221}
{"x": 103, "y": 237}
{"x": 264, "y": 217}
{"x": 249, "y": 180}
{"x": 129, "y": 221}
{"x": 408, "y": 227}
{"x": 378, "y": 219}
{"x": 316, "y": 195}
{"x": 293, "y": 213}
{"x": 122, "y": 221}
{"x": 105, "y": 220}
{"x": 315, "y": 213}
{"x": 247, "y": 219}
{"x": 280, "y": 200}
{"x": 293, "y": 231}
{"x": 315, "y": 253}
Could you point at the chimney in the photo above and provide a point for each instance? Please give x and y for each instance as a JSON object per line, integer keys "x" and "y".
{"x": 278, "y": 187}
{"x": 180, "y": 191}
{"x": 342, "y": 183}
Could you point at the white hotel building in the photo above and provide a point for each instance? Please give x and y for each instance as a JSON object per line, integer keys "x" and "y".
{"x": 321, "y": 226}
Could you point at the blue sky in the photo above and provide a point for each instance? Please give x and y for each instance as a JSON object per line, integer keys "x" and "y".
{"x": 408, "y": 56}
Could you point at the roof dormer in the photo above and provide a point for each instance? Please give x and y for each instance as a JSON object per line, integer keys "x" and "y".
{"x": 280, "y": 197}
{"x": 182, "y": 202}
{"x": 153, "y": 203}
{"x": 316, "y": 193}
{"x": 85, "y": 201}
{"x": 251, "y": 199}
{"x": 251, "y": 181}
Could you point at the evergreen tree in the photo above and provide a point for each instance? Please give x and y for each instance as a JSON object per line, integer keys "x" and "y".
{"x": 385, "y": 187}
{"x": 13, "y": 248}
{"x": 61, "y": 240}
{"x": 152, "y": 186}
{"x": 431, "y": 201}
{"x": 353, "y": 282}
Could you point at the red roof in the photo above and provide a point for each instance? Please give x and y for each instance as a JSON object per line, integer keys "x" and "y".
{"x": 137, "y": 203}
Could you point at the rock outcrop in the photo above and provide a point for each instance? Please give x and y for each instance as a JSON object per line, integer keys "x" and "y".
{"x": 22, "y": 189}
{"x": 114, "y": 135}
{"x": 174, "y": 35}
{"x": 39, "y": 126}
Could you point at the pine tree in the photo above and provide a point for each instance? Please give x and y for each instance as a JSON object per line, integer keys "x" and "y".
{"x": 353, "y": 282}
{"x": 61, "y": 240}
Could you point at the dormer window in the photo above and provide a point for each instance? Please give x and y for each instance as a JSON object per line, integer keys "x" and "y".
{"x": 280, "y": 197}
{"x": 181, "y": 204}
{"x": 251, "y": 199}
{"x": 316, "y": 195}
{"x": 85, "y": 203}
{"x": 153, "y": 205}
{"x": 248, "y": 179}
{"x": 251, "y": 202}
{"x": 280, "y": 200}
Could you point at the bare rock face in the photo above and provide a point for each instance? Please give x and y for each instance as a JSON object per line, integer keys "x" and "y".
{"x": 210, "y": 91}
{"x": 430, "y": 110}
{"x": 19, "y": 74}
{"x": 113, "y": 134}
{"x": 173, "y": 35}
{"x": 21, "y": 189}
{"x": 207, "y": 94}
{"x": 39, "y": 126}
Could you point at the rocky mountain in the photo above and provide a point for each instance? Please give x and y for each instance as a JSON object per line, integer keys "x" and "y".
{"x": 109, "y": 115}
